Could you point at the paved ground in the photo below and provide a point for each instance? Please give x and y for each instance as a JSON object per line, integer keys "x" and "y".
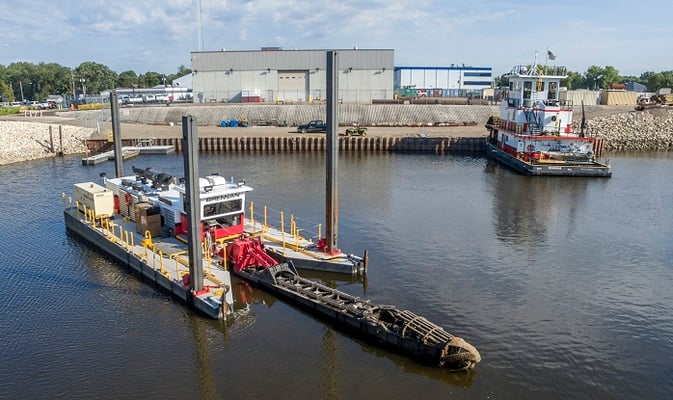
{"x": 134, "y": 131}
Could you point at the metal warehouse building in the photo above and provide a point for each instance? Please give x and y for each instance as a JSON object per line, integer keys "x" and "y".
{"x": 276, "y": 75}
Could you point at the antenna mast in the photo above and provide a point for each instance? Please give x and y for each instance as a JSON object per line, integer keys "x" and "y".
{"x": 199, "y": 16}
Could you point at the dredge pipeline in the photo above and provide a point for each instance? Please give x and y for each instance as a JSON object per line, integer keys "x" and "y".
{"x": 272, "y": 144}
{"x": 385, "y": 325}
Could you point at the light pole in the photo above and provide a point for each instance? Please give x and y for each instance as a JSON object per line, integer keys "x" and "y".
{"x": 83, "y": 81}
{"x": 23, "y": 100}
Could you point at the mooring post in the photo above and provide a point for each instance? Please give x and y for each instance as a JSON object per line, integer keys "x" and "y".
{"x": 51, "y": 140}
{"x": 190, "y": 146}
{"x": 60, "y": 141}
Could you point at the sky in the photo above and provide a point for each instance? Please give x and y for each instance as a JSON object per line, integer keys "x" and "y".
{"x": 159, "y": 35}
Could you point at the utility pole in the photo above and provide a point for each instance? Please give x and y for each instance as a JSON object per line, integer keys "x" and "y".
{"x": 72, "y": 83}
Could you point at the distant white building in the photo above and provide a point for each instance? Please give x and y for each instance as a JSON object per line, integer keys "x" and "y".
{"x": 453, "y": 81}
{"x": 184, "y": 81}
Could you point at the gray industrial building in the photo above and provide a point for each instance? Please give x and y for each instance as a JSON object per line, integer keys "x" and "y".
{"x": 290, "y": 76}
{"x": 273, "y": 75}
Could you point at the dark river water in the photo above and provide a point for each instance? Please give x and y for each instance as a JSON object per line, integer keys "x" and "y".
{"x": 565, "y": 285}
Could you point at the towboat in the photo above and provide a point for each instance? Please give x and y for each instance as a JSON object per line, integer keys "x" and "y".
{"x": 534, "y": 132}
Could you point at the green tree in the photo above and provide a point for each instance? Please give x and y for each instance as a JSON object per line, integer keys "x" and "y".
{"x": 20, "y": 77}
{"x": 150, "y": 79}
{"x": 127, "y": 79}
{"x": 51, "y": 78}
{"x": 601, "y": 78}
{"x": 657, "y": 80}
{"x": 6, "y": 94}
{"x": 501, "y": 81}
{"x": 610, "y": 76}
{"x": 91, "y": 77}
{"x": 574, "y": 80}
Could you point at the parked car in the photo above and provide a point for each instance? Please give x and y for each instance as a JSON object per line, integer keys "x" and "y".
{"x": 316, "y": 125}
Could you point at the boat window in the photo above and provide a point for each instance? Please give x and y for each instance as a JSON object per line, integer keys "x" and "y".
{"x": 551, "y": 95}
{"x": 527, "y": 89}
{"x": 223, "y": 207}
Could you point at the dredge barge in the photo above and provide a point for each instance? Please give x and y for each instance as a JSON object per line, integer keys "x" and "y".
{"x": 534, "y": 133}
{"x": 140, "y": 221}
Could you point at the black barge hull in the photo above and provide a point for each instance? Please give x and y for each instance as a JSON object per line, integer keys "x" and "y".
{"x": 385, "y": 325}
{"x": 592, "y": 169}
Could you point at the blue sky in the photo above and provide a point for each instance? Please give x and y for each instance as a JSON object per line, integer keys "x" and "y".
{"x": 158, "y": 35}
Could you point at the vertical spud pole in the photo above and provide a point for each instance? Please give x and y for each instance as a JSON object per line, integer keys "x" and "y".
{"x": 332, "y": 196}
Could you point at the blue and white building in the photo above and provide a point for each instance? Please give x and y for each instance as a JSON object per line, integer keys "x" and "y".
{"x": 452, "y": 81}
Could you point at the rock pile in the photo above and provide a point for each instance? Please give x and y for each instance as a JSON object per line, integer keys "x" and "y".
{"x": 648, "y": 130}
{"x": 23, "y": 141}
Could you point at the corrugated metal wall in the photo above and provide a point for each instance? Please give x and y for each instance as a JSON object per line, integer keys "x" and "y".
{"x": 618, "y": 98}
{"x": 225, "y": 76}
{"x": 577, "y": 97}
{"x": 290, "y": 60}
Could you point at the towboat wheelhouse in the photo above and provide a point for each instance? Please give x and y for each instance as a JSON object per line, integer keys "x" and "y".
{"x": 534, "y": 132}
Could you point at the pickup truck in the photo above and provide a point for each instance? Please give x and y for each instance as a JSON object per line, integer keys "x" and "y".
{"x": 313, "y": 126}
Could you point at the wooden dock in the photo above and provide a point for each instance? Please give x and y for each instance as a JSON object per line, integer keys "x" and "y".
{"x": 141, "y": 147}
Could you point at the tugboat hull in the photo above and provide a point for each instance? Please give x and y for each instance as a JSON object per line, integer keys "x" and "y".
{"x": 587, "y": 169}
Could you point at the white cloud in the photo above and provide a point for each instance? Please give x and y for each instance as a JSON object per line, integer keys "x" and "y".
{"x": 158, "y": 35}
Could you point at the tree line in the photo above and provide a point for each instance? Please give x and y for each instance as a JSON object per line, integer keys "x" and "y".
{"x": 597, "y": 77}
{"x": 27, "y": 81}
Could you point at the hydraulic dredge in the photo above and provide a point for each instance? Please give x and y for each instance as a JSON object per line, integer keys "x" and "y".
{"x": 385, "y": 325}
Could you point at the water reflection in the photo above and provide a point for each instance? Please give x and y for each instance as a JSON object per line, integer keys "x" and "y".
{"x": 526, "y": 207}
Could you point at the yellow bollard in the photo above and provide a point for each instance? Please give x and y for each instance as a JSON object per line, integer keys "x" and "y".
{"x": 161, "y": 263}
{"x": 283, "y": 234}
{"x": 148, "y": 240}
{"x": 252, "y": 216}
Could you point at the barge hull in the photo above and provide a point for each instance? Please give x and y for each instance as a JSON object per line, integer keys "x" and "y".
{"x": 586, "y": 170}
{"x": 203, "y": 303}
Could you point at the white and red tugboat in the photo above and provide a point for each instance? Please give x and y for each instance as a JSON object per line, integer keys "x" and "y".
{"x": 534, "y": 134}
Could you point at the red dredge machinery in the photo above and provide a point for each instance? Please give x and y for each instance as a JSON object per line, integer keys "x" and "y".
{"x": 383, "y": 324}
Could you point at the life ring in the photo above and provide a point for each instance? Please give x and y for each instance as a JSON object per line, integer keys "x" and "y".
{"x": 127, "y": 198}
